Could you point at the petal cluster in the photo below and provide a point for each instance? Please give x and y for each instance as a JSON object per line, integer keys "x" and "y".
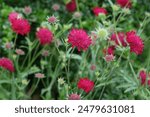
{"x": 71, "y": 6}
{"x": 124, "y": 3}
{"x": 135, "y": 42}
{"x": 99, "y": 10}
{"x": 7, "y": 64}
{"x": 85, "y": 84}
{"x": 80, "y": 39}
{"x": 44, "y": 35}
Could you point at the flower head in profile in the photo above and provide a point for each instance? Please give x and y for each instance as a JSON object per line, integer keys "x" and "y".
{"x": 109, "y": 51}
{"x": 99, "y": 10}
{"x": 142, "y": 76}
{"x": 71, "y": 6}
{"x": 44, "y": 36}
{"x": 85, "y": 84}
{"x": 7, "y": 64}
{"x": 56, "y": 7}
{"x": 135, "y": 42}
{"x": 20, "y": 52}
{"x": 80, "y": 39}
{"x": 21, "y": 26}
{"x": 124, "y": 3}
{"x": 39, "y": 75}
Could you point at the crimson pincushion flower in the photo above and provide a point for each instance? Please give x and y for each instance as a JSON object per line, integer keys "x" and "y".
{"x": 71, "y": 6}
{"x": 7, "y": 64}
{"x": 142, "y": 76}
{"x": 119, "y": 38}
{"x": 44, "y": 35}
{"x": 85, "y": 84}
{"x": 21, "y": 26}
{"x": 110, "y": 50}
{"x": 124, "y": 3}
{"x": 80, "y": 39}
{"x": 135, "y": 42}
{"x": 13, "y": 16}
{"x": 99, "y": 10}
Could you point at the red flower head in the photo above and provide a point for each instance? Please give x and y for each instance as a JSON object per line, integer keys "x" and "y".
{"x": 71, "y": 6}
{"x": 135, "y": 42}
{"x": 119, "y": 38}
{"x": 7, "y": 64}
{"x": 142, "y": 76}
{"x": 98, "y": 10}
{"x": 13, "y": 16}
{"x": 110, "y": 50}
{"x": 74, "y": 97}
{"x": 44, "y": 35}
{"x": 21, "y": 26}
{"x": 124, "y": 3}
{"x": 85, "y": 84}
{"x": 80, "y": 39}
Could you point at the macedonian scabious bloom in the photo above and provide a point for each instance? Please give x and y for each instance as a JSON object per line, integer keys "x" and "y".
{"x": 13, "y": 16}
{"x": 109, "y": 51}
{"x": 74, "y": 97}
{"x": 7, "y": 64}
{"x": 135, "y": 42}
{"x": 142, "y": 76}
{"x": 80, "y": 39}
{"x": 71, "y": 6}
{"x": 124, "y": 3}
{"x": 45, "y": 36}
{"x": 85, "y": 84}
{"x": 98, "y": 10}
{"x": 21, "y": 26}
{"x": 119, "y": 38}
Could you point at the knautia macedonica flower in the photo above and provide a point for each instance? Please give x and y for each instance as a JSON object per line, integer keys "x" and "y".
{"x": 44, "y": 35}
{"x": 7, "y": 64}
{"x": 74, "y": 96}
{"x": 21, "y": 26}
{"x": 102, "y": 33}
{"x": 124, "y": 3}
{"x": 98, "y": 10}
{"x": 77, "y": 15}
{"x": 8, "y": 45}
{"x": 142, "y": 76}
{"x": 27, "y": 10}
{"x": 52, "y": 19}
{"x": 135, "y": 42}
{"x": 85, "y": 84}
{"x": 109, "y": 51}
{"x": 119, "y": 38}
{"x": 45, "y": 53}
{"x": 13, "y": 16}
{"x": 56, "y": 7}
{"x": 20, "y": 52}
{"x": 109, "y": 58}
{"x": 71, "y": 6}
{"x": 80, "y": 39}
{"x": 39, "y": 75}
{"x": 93, "y": 67}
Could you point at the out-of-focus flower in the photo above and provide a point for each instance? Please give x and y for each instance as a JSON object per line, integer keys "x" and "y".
{"x": 102, "y": 33}
{"x": 109, "y": 58}
{"x": 74, "y": 97}
{"x": 98, "y": 10}
{"x": 8, "y": 45}
{"x": 142, "y": 76}
{"x": 27, "y": 10}
{"x": 13, "y": 16}
{"x": 20, "y": 52}
{"x": 45, "y": 53}
{"x": 93, "y": 67}
{"x": 56, "y": 7}
{"x": 52, "y": 19}
{"x": 71, "y": 6}
{"x": 61, "y": 81}
{"x": 124, "y": 3}
{"x": 77, "y": 15}
{"x": 39, "y": 75}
